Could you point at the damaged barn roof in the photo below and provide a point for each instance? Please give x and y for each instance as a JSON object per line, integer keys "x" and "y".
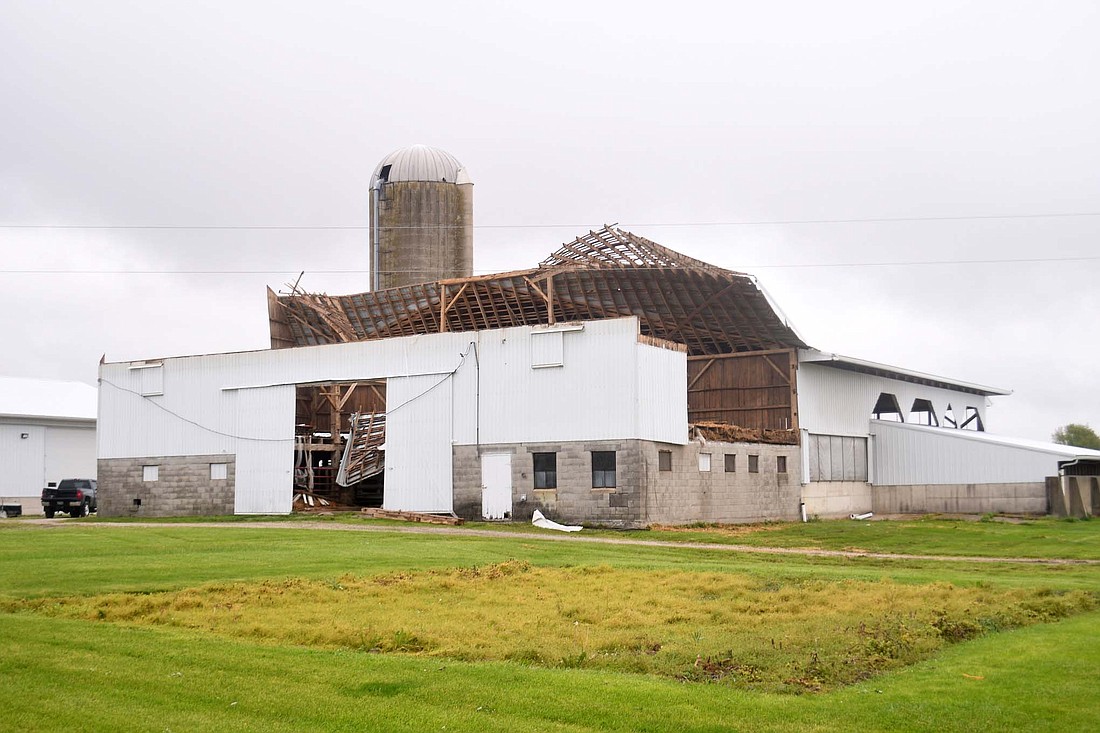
{"x": 608, "y": 273}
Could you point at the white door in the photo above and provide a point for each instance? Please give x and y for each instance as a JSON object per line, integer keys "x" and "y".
{"x": 496, "y": 485}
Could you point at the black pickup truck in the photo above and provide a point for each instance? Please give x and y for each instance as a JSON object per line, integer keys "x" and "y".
{"x": 77, "y": 496}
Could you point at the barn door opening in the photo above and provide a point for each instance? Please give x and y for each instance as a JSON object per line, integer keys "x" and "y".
{"x": 339, "y": 452}
{"x": 496, "y": 485}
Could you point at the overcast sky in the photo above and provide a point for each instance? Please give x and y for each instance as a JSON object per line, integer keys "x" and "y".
{"x": 673, "y": 120}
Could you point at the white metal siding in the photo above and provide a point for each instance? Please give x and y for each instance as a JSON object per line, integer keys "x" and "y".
{"x": 418, "y": 444}
{"x": 907, "y": 455}
{"x": 662, "y": 394}
{"x": 264, "y": 474}
{"x": 22, "y": 461}
{"x": 609, "y": 387}
{"x": 70, "y": 452}
{"x": 839, "y": 402}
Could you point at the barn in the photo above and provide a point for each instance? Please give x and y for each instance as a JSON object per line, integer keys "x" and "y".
{"x": 616, "y": 382}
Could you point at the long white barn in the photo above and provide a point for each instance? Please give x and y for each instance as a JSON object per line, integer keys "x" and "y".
{"x": 166, "y": 421}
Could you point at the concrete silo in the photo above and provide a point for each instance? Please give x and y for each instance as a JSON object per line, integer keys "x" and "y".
{"x": 422, "y": 218}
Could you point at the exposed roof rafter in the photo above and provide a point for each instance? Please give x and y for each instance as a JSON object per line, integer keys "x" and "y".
{"x": 608, "y": 273}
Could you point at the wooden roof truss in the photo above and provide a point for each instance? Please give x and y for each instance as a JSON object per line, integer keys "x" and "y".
{"x": 605, "y": 274}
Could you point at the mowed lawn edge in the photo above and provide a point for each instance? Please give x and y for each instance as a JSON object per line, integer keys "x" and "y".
{"x": 1037, "y": 538}
{"x": 75, "y": 559}
{"x": 70, "y": 675}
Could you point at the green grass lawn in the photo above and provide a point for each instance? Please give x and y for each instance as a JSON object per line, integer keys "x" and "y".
{"x": 1042, "y": 537}
{"x": 150, "y": 672}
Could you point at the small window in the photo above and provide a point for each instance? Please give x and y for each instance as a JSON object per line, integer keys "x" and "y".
{"x": 546, "y": 470}
{"x": 219, "y": 471}
{"x": 780, "y": 464}
{"x": 150, "y": 473}
{"x": 664, "y": 460}
{"x": 731, "y": 463}
{"x": 603, "y": 469}
{"x": 704, "y": 462}
{"x": 754, "y": 464}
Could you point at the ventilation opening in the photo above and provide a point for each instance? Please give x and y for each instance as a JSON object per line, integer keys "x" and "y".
{"x": 384, "y": 174}
{"x": 973, "y": 420}
{"x": 922, "y": 413}
{"x": 949, "y": 418}
{"x": 886, "y": 408}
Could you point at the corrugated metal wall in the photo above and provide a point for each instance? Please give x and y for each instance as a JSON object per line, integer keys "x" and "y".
{"x": 418, "y": 444}
{"x": 662, "y": 390}
{"x": 839, "y": 402}
{"x": 608, "y": 387}
{"x": 24, "y": 468}
{"x": 908, "y": 454}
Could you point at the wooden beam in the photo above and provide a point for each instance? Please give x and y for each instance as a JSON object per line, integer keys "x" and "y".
{"x": 782, "y": 375}
{"x": 550, "y": 299}
{"x": 346, "y": 397}
{"x": 698, "y": 376}
{"x": 794, "y": 392}
{"x": 738, "y": 354}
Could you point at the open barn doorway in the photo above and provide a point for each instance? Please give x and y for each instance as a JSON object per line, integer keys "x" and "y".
{"x": 339, "y": 445}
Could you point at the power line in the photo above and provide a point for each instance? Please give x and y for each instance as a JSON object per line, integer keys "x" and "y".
{"x": 367, "y": 227}
{"x": 835, "y": 265}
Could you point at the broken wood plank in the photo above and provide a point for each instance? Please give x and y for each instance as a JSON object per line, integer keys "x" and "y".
{"x": 375, "y": 513}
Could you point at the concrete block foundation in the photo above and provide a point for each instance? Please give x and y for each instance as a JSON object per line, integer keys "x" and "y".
{"x": 644, "y": 494}
{"x": 183, "y": 487}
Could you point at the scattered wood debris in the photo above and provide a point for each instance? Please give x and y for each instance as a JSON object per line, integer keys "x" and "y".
{"x": 724, "y": 432}
{"x": 412, "y": 516}
{"x": 308, "y": 502}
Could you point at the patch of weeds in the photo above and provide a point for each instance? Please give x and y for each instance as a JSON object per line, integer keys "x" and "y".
{"x": 495, "y": 571}
{"x": 526, "y": 656}
{"x": 719, "y": 668}
{"x": 402, "y": 641}
{"x": 574, "y": 661}
{"x": 954, "y": 630}
{"x": 890, "y": 639}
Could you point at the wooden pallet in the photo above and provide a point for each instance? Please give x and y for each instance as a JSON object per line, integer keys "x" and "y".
{"x": 412, "y": 516}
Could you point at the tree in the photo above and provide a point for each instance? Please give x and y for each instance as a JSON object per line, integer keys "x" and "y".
{"x": 1081, "y": 436}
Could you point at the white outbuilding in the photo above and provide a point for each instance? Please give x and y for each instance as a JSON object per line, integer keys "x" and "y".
{"x": 47, "y": 433}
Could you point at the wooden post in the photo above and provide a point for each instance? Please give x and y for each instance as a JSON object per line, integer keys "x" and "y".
{"x": 442, "y": 308}
{"x": 550, "y": 300}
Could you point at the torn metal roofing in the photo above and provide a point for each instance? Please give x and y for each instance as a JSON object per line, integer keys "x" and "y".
{"x": 608, "y": 273}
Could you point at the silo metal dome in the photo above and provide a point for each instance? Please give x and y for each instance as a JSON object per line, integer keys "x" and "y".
{"x": 422, "y": 218}
{"x": 420, "y": 163}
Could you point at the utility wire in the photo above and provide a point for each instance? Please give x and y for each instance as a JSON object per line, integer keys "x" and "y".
{"x": 189, "y": 421}
{"x": 366, "y": 227}
{"x": 906, "y": 263}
